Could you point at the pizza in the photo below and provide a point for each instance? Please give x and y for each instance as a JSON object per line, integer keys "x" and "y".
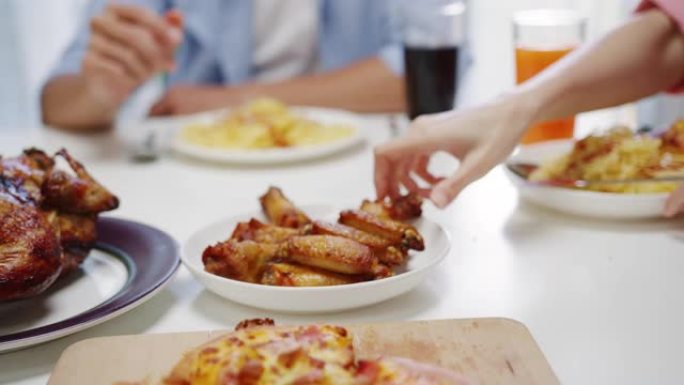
{"x": 260, "y": 353}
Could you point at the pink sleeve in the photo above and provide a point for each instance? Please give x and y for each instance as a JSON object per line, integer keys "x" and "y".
{"x": 674, "y": 9}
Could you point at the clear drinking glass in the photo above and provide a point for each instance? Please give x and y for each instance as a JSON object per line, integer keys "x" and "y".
{"x": 433, "y": 36}
{"x": 541, "y": 37}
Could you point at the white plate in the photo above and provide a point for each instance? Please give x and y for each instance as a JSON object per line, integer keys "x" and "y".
{"x": 263, "y": 156}
{"x": 581, "y": 202}
{"x": 314, "y": 299}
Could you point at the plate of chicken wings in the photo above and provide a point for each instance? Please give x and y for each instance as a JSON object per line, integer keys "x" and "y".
{"x": 317, "y": 258}
{"x": 62, "y": 268}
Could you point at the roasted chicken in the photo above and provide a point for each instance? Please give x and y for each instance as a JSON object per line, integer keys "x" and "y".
{"x": 47, "y": 220}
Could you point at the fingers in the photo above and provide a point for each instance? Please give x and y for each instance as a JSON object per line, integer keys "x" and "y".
{"x": 382, "y": 175}
{"x": 93, "y": 63}
{"x": 115, "y": 53}
{"x": 674, "y": 203}
{"x": 135, "y": 39}
{"x": 391, "y": 176}
{"x": 395, "y": 164}
{"x": 141, "y": 41}
{"x": 167, "y": 34}
{"x": 95, "y": 67}
{"x": 473, "y": 166}
{"x": 420, "y": 168}
{"x": 402, "y": 176}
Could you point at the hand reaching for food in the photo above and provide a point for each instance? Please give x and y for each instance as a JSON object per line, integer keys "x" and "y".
{"x": 479, "y": 137}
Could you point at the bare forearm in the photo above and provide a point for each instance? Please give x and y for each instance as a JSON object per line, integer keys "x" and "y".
{"x": 643, "y": 57}
{"x": 366, "y": 86}
{"x": 68, "y": 103}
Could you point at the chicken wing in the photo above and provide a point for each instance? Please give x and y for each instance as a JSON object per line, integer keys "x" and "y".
{"x": 281, "y": 211}
{"x": 257, "y": 231}
{"x": 401, "y": 209}
{"x": 243, "y": 261}
{"x": 398, "y": 233}
{"x": 382, "y": 248}
{"x": 328, "y": 252}
{"x": 79, "y": 194}
{"x": 286, "y": 274}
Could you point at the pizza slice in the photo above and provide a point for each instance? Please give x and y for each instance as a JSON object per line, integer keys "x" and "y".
{"x": 266, "y": 354}
{"x": 260, "y": 353}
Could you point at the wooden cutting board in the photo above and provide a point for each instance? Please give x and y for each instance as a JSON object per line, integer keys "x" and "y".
{"x": 488, "y": 351}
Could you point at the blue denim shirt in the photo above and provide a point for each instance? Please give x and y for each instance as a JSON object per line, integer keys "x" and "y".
{"x": 218, "y": 33}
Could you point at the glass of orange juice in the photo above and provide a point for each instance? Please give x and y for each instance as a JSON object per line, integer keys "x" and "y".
{"x": 541, "y": 37}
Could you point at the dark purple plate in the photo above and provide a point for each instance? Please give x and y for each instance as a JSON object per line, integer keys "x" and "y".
{"x": 130, "y": 263}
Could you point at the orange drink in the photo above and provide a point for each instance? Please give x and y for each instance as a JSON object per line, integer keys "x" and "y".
{"x": 542, "y": 37}
{"x": 529, "y": 62}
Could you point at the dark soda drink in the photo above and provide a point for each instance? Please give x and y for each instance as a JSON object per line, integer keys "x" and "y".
{"x": 431, "y": 79}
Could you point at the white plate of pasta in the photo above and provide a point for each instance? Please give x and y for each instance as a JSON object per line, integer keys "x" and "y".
{"x": 266, "y": 131}
{"x": 617, "y": 155}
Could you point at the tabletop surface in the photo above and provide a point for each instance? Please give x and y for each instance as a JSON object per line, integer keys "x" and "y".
{"x": 600, "y": 297}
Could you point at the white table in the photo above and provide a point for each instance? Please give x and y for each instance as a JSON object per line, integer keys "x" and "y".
{"x": 601, "y": 298}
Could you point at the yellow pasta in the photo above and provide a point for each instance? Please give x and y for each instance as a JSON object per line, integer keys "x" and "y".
{"x": 620, "y": 154}
{"x": 261, "y": 124}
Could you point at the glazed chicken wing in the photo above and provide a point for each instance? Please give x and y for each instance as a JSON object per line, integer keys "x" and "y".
{"x": 382, "y": 248}
{"x": 398, "y": 233}
{"x": 401, "y": 209}
{"x": 281, "y": 211}
{"x": 257, "y": 231}
{"x": 337, "y": 254}
{"x": 247, "y": 260}
{"x": 287, "y": 274}
{"x": 243, "y": 261}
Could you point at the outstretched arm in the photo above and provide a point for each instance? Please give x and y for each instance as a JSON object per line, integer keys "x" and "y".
{"x": 365, "y": 86}
{"x": 643, "y": 56}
